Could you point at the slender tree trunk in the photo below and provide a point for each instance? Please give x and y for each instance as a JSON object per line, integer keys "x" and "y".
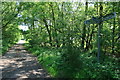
{"x": 49, "y": 32}
{"x": 84, "y": 27}
{"x": 90, "y": 39}
{"x": 54, "y": 23}
{"x": 113, "y": 31}
{"x": 63, "y": 24}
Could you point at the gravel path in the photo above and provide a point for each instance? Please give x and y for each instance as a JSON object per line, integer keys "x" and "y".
{"x": 18, "y": 63}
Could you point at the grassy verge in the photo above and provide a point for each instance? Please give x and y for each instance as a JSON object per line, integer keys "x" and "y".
{"x": 5, "y": 48}
{"x": 6, "y": 45}
{"x": 47, "y": 57}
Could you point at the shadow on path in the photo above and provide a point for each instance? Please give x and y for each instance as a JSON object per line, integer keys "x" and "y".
{"x": 18, "y": 63}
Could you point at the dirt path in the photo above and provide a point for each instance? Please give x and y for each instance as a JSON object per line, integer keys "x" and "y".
{"x": 18, "y": 63}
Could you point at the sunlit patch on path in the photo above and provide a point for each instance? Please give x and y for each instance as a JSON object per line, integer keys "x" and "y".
{"x": 18, "y": 63}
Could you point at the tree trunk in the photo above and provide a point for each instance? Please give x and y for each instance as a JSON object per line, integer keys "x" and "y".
{"x": 49, "y": 33}
{"x": 84, "y": 27}
{"x": 54, "y": 23}
{"x": 113, "y": 31}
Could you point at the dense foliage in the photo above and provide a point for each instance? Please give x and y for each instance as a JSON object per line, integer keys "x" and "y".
{"x": 10, "y": 30}
{"x": 64, "y": 45}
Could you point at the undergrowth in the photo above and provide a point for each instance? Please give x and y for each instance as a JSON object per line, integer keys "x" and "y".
{"x": 84, "y": 66}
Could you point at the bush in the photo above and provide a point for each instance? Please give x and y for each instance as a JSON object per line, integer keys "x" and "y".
{"x": 70, "y": 63}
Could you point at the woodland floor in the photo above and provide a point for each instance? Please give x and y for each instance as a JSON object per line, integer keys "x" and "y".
{"x": 19, "y": 63}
